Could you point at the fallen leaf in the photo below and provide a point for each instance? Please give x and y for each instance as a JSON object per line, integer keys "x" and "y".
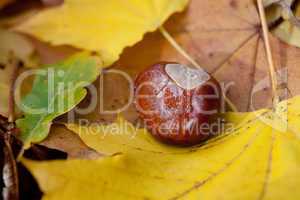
{"x": 254, "y": 160}
{"x": 18, "y": 45}
{"x": 65, "y": 140}
{"x": 289, "y": 32}
{"x": 14, "y": 48}
{"x": 103, "y": 26}
{"x": 275, "y": 9}
{"x": 56, "y": 90}
{"x": 5, "y": 82}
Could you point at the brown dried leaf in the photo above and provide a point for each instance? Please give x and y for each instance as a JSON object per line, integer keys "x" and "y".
{"x": 63, "y": 139}
{"x": 227, "y": 42}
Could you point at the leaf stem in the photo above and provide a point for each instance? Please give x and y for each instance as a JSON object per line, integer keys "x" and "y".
{"x": 13, "y": 63}
{"x": 172, "y": 41}
{"x": 272, "y": 70}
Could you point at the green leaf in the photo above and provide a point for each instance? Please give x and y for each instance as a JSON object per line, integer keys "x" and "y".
{"x": 56, "y": 90}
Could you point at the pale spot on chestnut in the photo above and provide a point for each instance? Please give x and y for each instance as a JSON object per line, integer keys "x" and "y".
{"x": 186, "y": 77}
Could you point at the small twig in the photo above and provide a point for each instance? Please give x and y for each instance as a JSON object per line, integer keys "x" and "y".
{"x": 171, "y": 40}
{"x": 272, "y": 70}
{"x": 178, "y": 47}
{"x": 10, "y": 172}
{"x": 13, "y": 63}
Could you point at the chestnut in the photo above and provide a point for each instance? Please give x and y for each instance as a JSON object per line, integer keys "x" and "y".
{"x": 177, "y": 103}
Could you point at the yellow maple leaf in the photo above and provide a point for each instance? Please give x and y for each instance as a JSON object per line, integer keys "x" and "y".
{"x": 100, "y": 25}
{"x": 256, "y": 159}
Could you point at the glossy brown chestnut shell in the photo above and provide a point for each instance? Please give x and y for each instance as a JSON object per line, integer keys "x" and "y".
{"x": 172, "y": 113}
